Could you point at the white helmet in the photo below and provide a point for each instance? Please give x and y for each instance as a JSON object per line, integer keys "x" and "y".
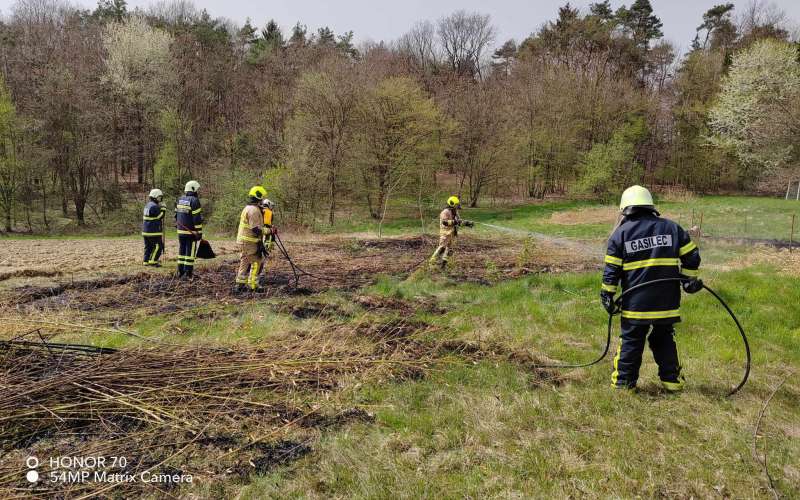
{"x": 266, "y": 203}
{"x": 156, "y": 194}
{"x": 192, "y": 187}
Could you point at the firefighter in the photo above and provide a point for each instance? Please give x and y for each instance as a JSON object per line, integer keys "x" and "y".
{"x": 153, "y": 228}
{"x": 268, "y": 233}
{"x": 248, "y": 238}
{"x": 189, "y": 221}
{"x": 645, "y": 247}
{"x": 449, "y": 221}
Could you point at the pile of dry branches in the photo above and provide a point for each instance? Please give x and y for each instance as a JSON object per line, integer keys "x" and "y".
{"x": 166, "y": 408}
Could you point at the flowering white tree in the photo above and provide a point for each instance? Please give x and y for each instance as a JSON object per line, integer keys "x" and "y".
{"x": 757, "y": 114}
{"x": 137, "y": 60}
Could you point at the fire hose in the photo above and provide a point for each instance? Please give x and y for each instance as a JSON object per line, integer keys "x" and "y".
{"x": 617, "y": 310}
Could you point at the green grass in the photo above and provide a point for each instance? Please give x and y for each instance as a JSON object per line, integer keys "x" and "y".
{"x": 740, "y": 216}
{"x": 723, "y": 216}
{"x": 493, "y": 429}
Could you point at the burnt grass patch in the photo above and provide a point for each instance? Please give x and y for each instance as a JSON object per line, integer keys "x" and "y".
{"x": 325, "y": 265}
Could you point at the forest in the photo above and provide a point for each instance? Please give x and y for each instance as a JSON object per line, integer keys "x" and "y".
{"x": 98, "y": 106}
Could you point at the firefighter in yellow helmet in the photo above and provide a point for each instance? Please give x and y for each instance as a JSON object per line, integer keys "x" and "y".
{"x": 646, "y": 247}
{"x": 449, "y": 221}
{"x": 248, "y": 239}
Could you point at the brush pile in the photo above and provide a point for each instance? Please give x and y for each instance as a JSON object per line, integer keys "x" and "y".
{"x": 206, "y": 411}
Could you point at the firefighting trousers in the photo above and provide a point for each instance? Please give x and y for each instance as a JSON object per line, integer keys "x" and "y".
{"x": 250, "y": 265}
{"x": 629, "y": 354}
{"x": 444, "y": 250}
{"x": 187, "y": 250}
{"x": 153, "y": 247}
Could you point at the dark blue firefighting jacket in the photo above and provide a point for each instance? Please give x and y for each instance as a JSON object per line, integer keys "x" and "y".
{"x": 189, "y": 214}
{"x": 643, "y": 248}
{"x": 153, "y": 219}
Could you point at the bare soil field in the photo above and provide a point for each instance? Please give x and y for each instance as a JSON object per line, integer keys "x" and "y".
{"x": 232, "y": 412}
{"x": 334, "y": 263}
{"x": 23, "y": 259}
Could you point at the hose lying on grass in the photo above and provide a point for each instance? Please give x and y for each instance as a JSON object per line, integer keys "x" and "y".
{"x": 617, "y": 303}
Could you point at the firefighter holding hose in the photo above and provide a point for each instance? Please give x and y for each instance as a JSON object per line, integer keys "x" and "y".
{"x": 249, "y": 240}
{"x": 646, "y": 247}
{"x": 449, "y": 222}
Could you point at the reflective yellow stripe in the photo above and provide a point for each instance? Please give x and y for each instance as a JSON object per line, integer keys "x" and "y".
{"x": 610, "y": 259}
{"x": 195, "y": 212}
{"x": 253, "y": 280}
{"x": 690, "y": 272}
{"x": 152, "y": 234}
{"x": 182, "y": 231}
{"x": 157, "y": 217}
{"x": 673, "y": 386}
{"x": 609, "y": 288}
{"x": 153, "y": 255}
{"x": 184, "y": 207}
{"x": 638, "y": 264}
{"x": 651, "y": 314}
{"x": 246, "y": 239}
{"x": 615, "y": 373}
{"x": 687, "y": 248}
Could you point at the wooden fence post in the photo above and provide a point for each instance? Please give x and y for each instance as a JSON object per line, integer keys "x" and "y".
{"x": 700, "y": 228}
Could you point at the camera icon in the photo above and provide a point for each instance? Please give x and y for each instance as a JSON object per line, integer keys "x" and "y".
{"x": 32, "y": 476}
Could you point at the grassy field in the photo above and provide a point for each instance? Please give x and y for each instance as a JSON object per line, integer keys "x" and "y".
{"x": 489, "y": 425}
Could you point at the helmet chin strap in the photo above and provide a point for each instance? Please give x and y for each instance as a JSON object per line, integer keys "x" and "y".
{"x": 628, "y": 211}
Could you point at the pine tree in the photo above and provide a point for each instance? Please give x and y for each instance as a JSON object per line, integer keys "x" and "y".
{"x": 640, "y": 22}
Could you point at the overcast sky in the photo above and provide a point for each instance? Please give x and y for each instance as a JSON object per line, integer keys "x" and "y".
{"x": 386, "y": 20}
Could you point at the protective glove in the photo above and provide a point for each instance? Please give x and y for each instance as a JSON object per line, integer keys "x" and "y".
{"x": 607, "y": 299}
{"x": 694, "y": 285}
{"x": 468, "y": 223}
{"x": 274, "y": 231}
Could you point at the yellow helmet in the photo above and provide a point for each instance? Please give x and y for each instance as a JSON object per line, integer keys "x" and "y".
{"x": 635, "y": 196}
{"x": 453, "y": 202}
{"x": 257, "y": 193}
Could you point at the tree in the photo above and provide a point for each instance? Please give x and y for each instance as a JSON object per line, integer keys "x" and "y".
{"x": 324, "y": 124}
{"x": 756, "y": 114}
{"x": 11, "y": 175}
{"x": 138, "y": 68}
{"x": 602, "y": 10}
{"x": 464, "y": 38}
{"x": 504, "y": 58}
{"x": 719, "y": 28}
{"x": 111, "y": 10}
{"x": 640, "y": 22}
{"x": 609, "y": 167}
{"x": 481, "y": 136}
{"x": 299, "y": 35}
{"x": 399, "y": 140}
{"x": 419, "y": 46}
{"x": 693, "y": 162}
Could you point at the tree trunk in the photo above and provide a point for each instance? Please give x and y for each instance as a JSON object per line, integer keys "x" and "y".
{"x": 139, "y": 152}
{"x": 332, "y": 194}
{"x": 63, "y": 197}
{"x": 80, "y": 206}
